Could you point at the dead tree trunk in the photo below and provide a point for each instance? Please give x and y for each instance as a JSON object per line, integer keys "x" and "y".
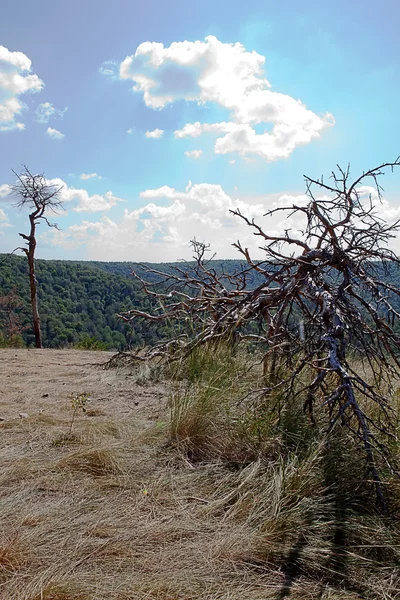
{"x": 34, "y": 302}
{"x": 30, "y": 254}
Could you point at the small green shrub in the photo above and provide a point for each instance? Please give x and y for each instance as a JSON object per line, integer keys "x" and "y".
{"x": 91, "y": 343}
{"x": 14, "y": 341}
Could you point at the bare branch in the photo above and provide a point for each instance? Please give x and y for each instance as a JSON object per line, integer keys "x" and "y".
{"x": 320, "y": 302}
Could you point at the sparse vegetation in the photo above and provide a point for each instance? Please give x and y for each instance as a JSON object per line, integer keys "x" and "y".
{"x": 207, "y": 498}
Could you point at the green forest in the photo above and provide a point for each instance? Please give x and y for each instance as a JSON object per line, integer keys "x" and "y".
{"x": 79, "y": 302}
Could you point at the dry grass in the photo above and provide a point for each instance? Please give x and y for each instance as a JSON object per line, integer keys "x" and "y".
{"x": 62, "y": 591}
{"x": 95, "y": 461}
{"x": 121, "y": 513}
{"x": 13, "y": 556}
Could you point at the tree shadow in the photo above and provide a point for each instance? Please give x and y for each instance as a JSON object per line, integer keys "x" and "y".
{"x": 292, "y": 567}
{"x": 337, "y": 567}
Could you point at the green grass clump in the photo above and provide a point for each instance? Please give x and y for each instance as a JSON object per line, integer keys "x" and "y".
{"x": 300, "y": 494}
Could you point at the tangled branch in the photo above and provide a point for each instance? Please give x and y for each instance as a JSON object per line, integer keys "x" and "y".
{"x": 323, "y": 299}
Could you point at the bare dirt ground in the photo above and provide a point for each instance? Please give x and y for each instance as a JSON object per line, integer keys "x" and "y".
{"x": 41, "y": 382}
{"x": 107, "y": 509}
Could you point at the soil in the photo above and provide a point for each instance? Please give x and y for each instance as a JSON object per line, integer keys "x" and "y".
{"x": 42, "y": 382}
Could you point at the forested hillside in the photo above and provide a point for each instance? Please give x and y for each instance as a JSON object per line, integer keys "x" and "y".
{"x": 226, "y": 266}
{"x": 78, "y": 303}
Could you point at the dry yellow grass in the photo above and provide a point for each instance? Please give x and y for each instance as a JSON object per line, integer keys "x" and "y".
{"x": 118, "y": 513}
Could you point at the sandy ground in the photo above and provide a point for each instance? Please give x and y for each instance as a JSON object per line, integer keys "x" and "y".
{"x": 42, "y": 382}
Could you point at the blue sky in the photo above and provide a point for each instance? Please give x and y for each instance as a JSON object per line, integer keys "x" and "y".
{"x": 233, "y": 103}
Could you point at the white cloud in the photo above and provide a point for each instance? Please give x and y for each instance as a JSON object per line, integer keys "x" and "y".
{"x": 130, "y": 130}
{"x": 110, "y": 69}
{"x": 5, "y": 190}
{"x": 4, "y": 223}
{"x": 233, "y": 78}
{"x": 11, "y": 124}
{"x": 280, "y": 143}
{"x": 54, "y": 134}
{"x": 155, "y": 134}
{"x": 204, "y": 200}
{"x": 84, "y": 202}
{"x": 46, "y": 111}
{"x": 242, "y": 138}
{"x": 90, "y": 176}
{"x": 15, "y": 79}
{"x": 194, "y": 153}
{"x": 160, "y": 231}
{"x": 197, "y": 129}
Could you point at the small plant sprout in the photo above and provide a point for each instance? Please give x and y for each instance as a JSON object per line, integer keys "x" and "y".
{"x": 78, "y": 402}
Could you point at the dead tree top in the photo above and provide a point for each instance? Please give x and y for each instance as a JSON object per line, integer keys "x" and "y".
{"x": 36, "y": 193}
{"x": 324, "y": 296}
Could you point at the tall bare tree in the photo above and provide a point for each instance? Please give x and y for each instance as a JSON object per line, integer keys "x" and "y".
{"x": 40, "y": 197}
{"x": 323, "y": 306}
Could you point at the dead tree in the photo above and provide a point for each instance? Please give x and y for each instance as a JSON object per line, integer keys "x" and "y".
{"x": 324, "y": 301}
{"x": 36, "y": 193}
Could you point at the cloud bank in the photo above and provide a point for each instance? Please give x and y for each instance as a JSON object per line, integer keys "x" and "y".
{"x": 161, "y": 229}
{"x": 229, "y": 76}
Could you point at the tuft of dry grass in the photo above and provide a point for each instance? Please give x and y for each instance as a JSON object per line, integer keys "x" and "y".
{"x": 64, "y": 439}
{"x": 95, "y": 461}
{"x": 13, "y": 556}
{"x": 204, "y": 421}
{"x": 95, "y": 412}
{"x": 61, "y": 591}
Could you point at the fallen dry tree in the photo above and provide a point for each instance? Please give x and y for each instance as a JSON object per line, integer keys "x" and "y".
{"x": 324, "y": 304}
